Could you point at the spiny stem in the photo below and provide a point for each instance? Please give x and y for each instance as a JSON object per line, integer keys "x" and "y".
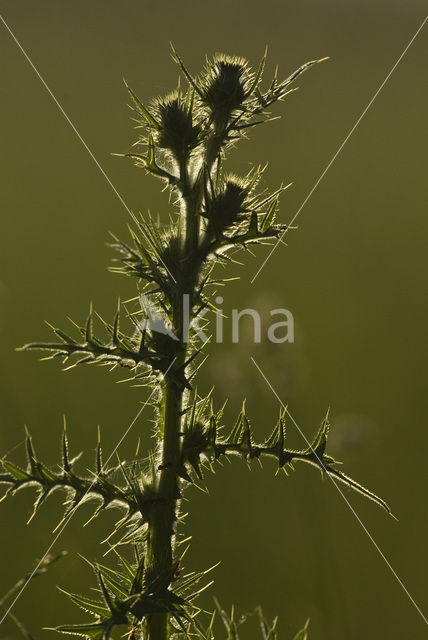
{"x": 161, "y": 528}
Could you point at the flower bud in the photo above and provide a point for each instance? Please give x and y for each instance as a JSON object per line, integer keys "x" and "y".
{"x": 226, "y": 207}
{"x": 177, "y": 132}
{"x": 225, "y": 86}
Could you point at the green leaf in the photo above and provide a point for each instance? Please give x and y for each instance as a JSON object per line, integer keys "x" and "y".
{"x": 94, "y": 630}
{"x": 99, "y": 459}
{"x": 320, "y": 441}
{"x": 66, "y": 464}
{"x": 113, "y": 580}
{"x": 89, "y": 327}
{"x": 31, "y": 455}
{"x": 352, "y": 484}
{"x": 17, "y": 473}
{"x": 88, "y": 605}
{"x": 259, "y": 74}
{"x": 64, "y": 336}
{"x": 270, "y": 215}
{"x": 142, "y": 109}
{"x": 107, "y": 597}
{"x": 235, "y": 435}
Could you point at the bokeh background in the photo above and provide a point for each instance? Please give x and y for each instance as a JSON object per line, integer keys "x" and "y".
{"x": 354, "y": 275}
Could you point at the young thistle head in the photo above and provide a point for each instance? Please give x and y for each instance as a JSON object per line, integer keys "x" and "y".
{"x": 177, "y": 132}
{"x": 225, "y": 86}
{"x": 226, "y": 208}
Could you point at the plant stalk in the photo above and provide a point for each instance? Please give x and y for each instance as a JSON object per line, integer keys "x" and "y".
{"x": 160, "y": 547}
{"x": 161, "y": 528}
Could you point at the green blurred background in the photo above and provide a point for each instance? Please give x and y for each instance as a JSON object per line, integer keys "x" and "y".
{"x": 354, "y": 275}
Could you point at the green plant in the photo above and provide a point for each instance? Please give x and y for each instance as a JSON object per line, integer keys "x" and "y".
{"x": 184, "y": 140}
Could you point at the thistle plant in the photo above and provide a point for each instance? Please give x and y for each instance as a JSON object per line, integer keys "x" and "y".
{"x": 183, "y": 141}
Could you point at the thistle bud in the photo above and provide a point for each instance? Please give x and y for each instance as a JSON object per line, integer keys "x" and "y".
{"x": 225, "y": 208}
{"x": 176, "y": 132}
{"x": 225, "y": 86}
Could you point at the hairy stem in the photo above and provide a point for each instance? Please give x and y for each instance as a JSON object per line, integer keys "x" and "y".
{"x": 160, "y": 548}
{"x": 161, "y": 528}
